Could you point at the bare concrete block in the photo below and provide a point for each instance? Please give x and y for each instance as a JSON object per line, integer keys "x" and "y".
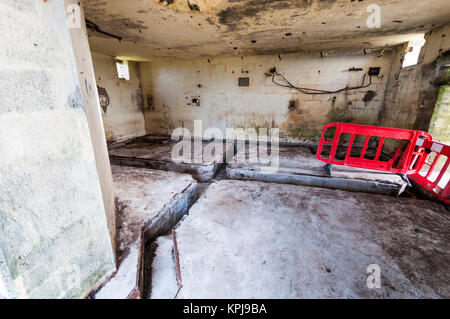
{"x": 28, "y": 91}
{"x": 149, "y": 204}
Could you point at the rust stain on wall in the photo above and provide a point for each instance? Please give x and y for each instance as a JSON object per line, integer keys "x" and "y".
{"x": 138, "y": 100}
{"x": 104, "y": 98}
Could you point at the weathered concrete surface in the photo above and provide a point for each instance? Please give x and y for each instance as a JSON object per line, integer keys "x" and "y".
{"x": 122, "y": 101}
{"x": 412, "y": 92}
{"x": 54, "y": 240}
{"x": 85, "y": 70}
{"x": 223, "y": 103}
{"x": 297, "y": 165}
{"x": 149, "y": 203}
{"x": 221, "y": 27}
{"x": 261, "y": 240}
{"x": 146, "y": 152}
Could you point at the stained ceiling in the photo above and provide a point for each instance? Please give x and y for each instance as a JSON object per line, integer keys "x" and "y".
{"x": 210, "y": 28}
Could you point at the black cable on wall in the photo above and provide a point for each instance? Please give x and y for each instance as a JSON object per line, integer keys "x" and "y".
{"x": 316, "y": 91}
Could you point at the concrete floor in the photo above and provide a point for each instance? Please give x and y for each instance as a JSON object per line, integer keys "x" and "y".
{"x": 149, "y": 203}
{"x": 249, "y": 239}
{"x": 299, "y": 166}
{"x": 246, "y": 239}
{"x": 155, "y": 153}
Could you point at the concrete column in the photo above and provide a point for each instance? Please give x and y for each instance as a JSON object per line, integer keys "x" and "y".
{"x": 54, "y": 237}
{"x": 93, "y": 112}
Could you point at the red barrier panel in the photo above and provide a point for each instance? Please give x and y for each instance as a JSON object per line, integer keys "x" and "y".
{"x": 432, "y": 174}
{"x": 405, "y": 160}
{"x": 424, "y": 161}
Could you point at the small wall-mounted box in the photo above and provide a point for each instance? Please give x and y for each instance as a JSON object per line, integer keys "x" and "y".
{"x": 196, "y": 101}
{"x": 245, "y": 81}
{"x": 374, "y": 71}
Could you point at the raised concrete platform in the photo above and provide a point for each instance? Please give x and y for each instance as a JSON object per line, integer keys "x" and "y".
{"x": 155, "y": 153}
{"x": 261, "y": 240}
{"x": 149, "y": 203}
{"x": 299, "y": 166}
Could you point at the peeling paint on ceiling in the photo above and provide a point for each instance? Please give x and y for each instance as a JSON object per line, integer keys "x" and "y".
{"x": 210, "y": 28}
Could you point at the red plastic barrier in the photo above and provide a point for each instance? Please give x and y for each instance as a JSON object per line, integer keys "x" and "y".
{"x": 411, "y": 158}
{"x": 406, "y": 158}
{"x": 429, "y": 176}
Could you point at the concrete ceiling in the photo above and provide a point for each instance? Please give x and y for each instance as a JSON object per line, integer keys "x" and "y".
{"x": 210, "y": 28}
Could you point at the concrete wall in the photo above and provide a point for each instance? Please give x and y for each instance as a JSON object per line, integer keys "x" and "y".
{"x": 438, "y": 42}
{"x": 412, "y": 92}
{"x": 122, "y": 99}
{"x": 402, "y": 95}
{"x": 54, "y": 239}
{"x": 170, "y": 85}
{"x": 94, "y": 116}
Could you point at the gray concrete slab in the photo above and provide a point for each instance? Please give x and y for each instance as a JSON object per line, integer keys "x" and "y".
{"x": 299, "y": 166}
{"x": 261, "y": 240}
{"x": 155, "y": 153}
{"x": 149, "y": 203}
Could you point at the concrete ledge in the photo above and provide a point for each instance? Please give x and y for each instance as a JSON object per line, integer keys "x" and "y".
{"x": 201, "y": 173}
{"x": 146, "y": 210}
{"x": 353, "y": 185}
{"x": 155, "y": 153}
{"x": 299, "y": 166}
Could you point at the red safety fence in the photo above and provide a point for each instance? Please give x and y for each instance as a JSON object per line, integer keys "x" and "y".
{"x": 402, "y": 144}
{"x": 433, "y": 175}
{"x": 400, "y": 151}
